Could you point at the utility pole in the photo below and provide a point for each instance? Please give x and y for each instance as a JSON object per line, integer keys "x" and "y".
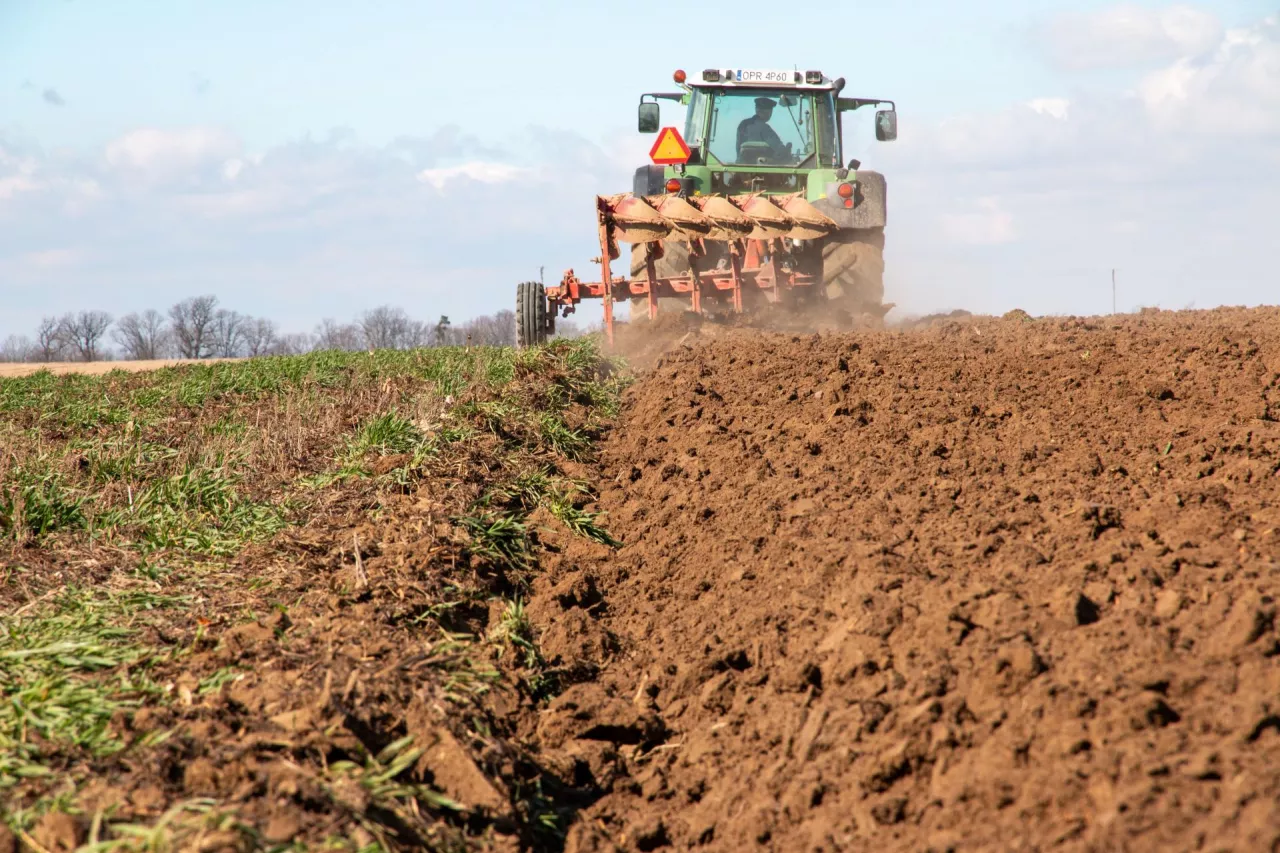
{"x": 1113, "y": 291}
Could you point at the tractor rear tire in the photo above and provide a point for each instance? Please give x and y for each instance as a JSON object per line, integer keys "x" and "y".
{"x": 853, "y": 270}
{"x": 674, "y": 261}
{"x": 531, "y": 314}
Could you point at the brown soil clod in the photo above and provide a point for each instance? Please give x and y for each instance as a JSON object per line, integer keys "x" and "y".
{"x": 1025, "y": 600}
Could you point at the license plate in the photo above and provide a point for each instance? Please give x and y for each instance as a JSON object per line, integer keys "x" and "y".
{"x": 765, "y": 77}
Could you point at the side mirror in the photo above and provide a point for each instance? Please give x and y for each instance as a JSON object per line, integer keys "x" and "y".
{"x": 649, "y": 118}
{"x": 887, "y": 125}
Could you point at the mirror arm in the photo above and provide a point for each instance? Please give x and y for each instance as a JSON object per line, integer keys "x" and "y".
{"x": 850, "y": 104}
{"x": 664, "y": 96}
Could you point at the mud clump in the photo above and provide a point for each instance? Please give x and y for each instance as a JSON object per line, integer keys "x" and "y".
{"x": 987, "y": 583}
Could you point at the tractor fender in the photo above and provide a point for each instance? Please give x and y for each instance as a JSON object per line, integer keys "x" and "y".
{"x": 649, "y": 180}
{"x": 869, "y": 203}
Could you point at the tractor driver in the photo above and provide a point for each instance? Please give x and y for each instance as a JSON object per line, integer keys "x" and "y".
{"x": 757, "y": 129}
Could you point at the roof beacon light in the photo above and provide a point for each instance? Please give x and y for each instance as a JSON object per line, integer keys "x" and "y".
{"x": 679, "y": 77}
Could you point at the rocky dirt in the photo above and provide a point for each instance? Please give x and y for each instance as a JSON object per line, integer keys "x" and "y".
{"x": 988, "y": 584}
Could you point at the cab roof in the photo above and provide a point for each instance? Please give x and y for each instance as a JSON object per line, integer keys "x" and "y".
{"x": 756, "y": 78}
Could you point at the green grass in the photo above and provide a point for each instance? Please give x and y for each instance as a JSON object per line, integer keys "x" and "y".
{"x": 502, "y": 539}
{"x": 388, "y": 433}
{"x": 37, "y": 500}
{"x": 198, "y": 511}
{"x": 65, "y": 668}
{"x": 582, "y": 523}
{"x": 163, "y": 480}
{"x": 516, "y": 632}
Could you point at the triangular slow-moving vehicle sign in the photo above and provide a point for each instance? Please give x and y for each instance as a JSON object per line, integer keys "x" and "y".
{"x": 669, "y": 148}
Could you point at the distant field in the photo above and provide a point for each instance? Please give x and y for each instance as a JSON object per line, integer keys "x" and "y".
{"x": 96, "y": 368}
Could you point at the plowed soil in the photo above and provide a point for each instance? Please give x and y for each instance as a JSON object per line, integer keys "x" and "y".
{"x": 987, "y": 584}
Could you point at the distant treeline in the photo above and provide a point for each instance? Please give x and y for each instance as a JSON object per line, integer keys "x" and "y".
{"x": 198, "y": 328}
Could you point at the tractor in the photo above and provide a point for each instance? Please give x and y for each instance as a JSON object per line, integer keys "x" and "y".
{"x": 752, "y": 206}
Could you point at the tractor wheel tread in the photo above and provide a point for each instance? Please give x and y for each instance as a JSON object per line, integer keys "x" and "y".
{"x": 853, "y": 269}
{"x": 531, "y": 314}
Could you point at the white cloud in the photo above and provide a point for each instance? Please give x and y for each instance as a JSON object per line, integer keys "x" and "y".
{"x": 166, "y": 153}
{"x": 51, "y": 258}
{"x": 12, "y": 185}
{"x": 32, "y": 176}
{"x": 1058, "y": 108}
{"x": 1231, "y": 90}
{"x": 987, "y": 224}
{"x": 1171, "y": 176}
{"x": 1130, "y": 35}
{"x": 313, "y": 228}
{"x": 479, "y": 171}
{"x": 17, "y": 175}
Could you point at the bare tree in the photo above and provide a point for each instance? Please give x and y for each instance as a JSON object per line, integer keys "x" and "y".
{"x": 142, "y": 337}
{"x": 493, "y": 330}
{"x": 192, "y": 321}
{"x": 294, "y": 343}
{"x": 83, "y": 331}
{"x": 419, "y": 335}
{"x": 50, "y": 344}
{"x": 331, "y": 334}
{"x": 17, "y": 348}
{"x": 386, "y": 328}
{"x": 259, "y": 336}
{"x": 227, "y": 334}
{"x": 568, "y": 329}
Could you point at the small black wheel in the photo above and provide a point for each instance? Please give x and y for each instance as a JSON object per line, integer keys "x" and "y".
{"x": 531, "y": 314}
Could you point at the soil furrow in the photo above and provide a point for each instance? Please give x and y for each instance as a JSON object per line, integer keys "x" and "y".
{"x": 987, "y": 584}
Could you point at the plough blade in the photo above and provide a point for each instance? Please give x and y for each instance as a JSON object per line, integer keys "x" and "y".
{"x": 810, "y": 223}
{"x": 730, "y": 222}
{"x": 770, "y": 221}
{"x": 634, "y": 219}
{"x": 683, "y": 217}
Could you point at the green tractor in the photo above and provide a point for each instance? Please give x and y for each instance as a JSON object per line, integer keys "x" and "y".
{"x": 758, "y": 207}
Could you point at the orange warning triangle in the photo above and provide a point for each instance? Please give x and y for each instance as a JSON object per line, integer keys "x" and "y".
{"x": 669, "y": 148}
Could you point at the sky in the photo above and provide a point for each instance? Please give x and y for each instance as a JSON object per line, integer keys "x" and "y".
{"x": 304, "y": 160}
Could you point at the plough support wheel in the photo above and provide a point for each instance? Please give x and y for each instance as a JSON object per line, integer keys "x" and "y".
{"x": 531, "y": 314}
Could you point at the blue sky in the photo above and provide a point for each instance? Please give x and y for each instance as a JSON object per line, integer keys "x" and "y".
{"x": 276, "y": 69}
{"x": 309, "y": 159}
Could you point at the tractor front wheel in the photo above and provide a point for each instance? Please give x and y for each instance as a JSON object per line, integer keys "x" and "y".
{"x": 531, "y": 314}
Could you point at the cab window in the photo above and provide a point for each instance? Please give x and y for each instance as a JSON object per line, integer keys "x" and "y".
{"x": 798, "y": 125}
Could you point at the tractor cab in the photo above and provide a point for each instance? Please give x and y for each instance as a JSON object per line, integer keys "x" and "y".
{"x": 758, "y": 130}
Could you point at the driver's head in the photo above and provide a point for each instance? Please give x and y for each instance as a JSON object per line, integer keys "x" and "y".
{"x": 764, "y": 108}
